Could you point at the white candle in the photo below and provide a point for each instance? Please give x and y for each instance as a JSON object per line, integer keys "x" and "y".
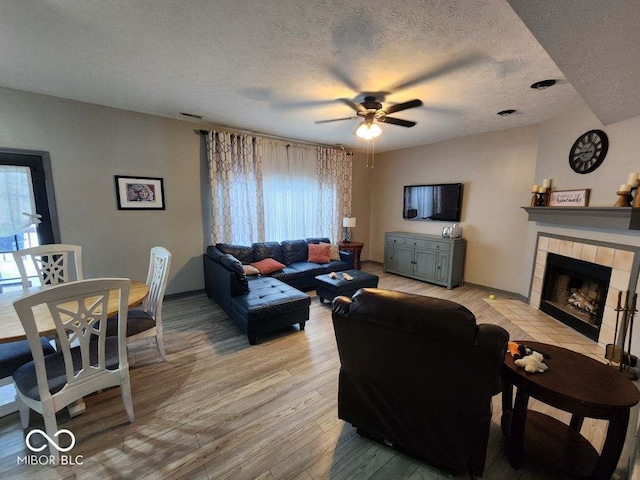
{"x": 542, "y": 190}
{"x": 632, "y": 179}
{"x": 546, "y": 183}
{"x": 535, "y": 189}
{"x": 625, "y": 187}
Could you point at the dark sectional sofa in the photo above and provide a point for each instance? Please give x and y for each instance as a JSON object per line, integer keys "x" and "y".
{"x": 260, "y": 304}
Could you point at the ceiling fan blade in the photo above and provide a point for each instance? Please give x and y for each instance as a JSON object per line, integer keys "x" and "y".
{"x": 397, "y": 121}
{"x": 403, "y": 106}
{"x": 458, "y": 64}
{"x": 356, "y": 106}
{"x": 335, "y": 120}
{"x": 343, "y": 77}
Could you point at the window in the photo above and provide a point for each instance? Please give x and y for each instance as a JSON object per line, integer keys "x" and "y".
{"x": 27, "y": 175}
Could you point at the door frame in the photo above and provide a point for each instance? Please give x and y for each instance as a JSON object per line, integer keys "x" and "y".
{"x": 46, "y": 200}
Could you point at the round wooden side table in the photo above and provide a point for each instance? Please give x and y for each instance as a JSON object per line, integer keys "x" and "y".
{"x": 576, "y": 384}
{"x": 356, "y": 248}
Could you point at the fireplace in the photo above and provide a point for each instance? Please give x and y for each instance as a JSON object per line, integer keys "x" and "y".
{"x": 575, "y": 292}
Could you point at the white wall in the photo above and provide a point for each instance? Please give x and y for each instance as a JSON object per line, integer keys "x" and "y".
{"x": 497, "y": 170}
{"x": 88, "y": 145}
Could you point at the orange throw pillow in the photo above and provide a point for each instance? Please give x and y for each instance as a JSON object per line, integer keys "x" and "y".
{"x": 319, "y": 253}
{"x": 267, "y": 266}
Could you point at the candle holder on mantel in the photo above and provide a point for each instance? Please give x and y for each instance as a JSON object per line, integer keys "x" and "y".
{"x": 625, "y": 198}
{"x": 636, "y": 198}
{"x": 542, "y": 199}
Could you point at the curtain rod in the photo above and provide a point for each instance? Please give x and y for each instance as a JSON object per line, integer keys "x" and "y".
{"x": 275, "y": 137}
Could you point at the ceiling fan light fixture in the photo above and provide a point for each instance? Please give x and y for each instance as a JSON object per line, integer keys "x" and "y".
{"x": 368, "y": 130}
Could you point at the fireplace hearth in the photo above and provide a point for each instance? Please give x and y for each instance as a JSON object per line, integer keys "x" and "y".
{"x": 574, "y": 292}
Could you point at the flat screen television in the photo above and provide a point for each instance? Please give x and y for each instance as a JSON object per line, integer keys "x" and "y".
{"x": 433, "y": 202}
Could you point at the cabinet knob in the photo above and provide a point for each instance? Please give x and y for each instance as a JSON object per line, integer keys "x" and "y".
{"x": 414, "y": 243}
{"x": 437, "y": 246}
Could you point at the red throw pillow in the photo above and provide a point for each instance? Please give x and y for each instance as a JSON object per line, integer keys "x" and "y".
{"x": 267, "y": 266}
{"x": 319, "y": 253}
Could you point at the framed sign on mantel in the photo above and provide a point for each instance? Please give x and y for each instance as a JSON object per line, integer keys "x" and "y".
{"x": 139, "y": 193}
{"x": 569, "y": 198}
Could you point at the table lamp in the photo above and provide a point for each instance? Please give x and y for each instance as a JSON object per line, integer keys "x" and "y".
{"x": 347, "y": 223}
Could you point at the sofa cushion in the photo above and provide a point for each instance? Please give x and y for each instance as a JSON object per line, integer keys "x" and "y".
{"x": 241, "y": 252}
{"x": 267, "y": 250}
{"x": 213, "y": 253}
{"x": 318, "y": 253}
{"x": 287, "y": 274}
{"x": 336, "y": 266}
{"x": 269, "y": 297}
{"x": 308, "y": 268}
{"x": 318, "y": 240}
{"x": 232, "y": 263}
{"x": 267, "y": 266}
{"x": 294, "y": 251}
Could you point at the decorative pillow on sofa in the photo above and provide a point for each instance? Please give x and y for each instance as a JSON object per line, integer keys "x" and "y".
{"x": 334, "y": 251}
{"x": 319, "y": 253}
{"x": 250, "y": 270}
{"x": 267, "y": 266}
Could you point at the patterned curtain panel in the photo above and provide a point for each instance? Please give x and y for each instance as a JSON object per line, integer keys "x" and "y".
{"x": 334, "y": 173}
{"x": 235, "y": 177}
{"x": 269, "y": 190}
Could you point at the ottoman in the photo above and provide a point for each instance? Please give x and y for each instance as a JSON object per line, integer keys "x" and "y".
{"x": 328, "y": 288}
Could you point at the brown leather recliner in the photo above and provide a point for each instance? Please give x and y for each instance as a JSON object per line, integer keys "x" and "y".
{"x": 417, "y": 373}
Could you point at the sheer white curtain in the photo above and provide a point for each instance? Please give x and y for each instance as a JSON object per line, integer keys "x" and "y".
{"x": 290, "y": 182}
{"x": 17, "y": 202}
{"x": 235, "y": 177}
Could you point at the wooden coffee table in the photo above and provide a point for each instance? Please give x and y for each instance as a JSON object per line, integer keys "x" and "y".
{"x": 576, "y": 384}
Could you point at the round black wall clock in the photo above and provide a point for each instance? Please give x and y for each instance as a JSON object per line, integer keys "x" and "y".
{"x": 588, "y": 151}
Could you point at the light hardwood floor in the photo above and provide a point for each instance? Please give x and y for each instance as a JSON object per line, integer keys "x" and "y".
{"x": 221, "y": 409}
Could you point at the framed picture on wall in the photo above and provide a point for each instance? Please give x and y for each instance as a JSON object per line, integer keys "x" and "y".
{"x": 139, "y": 193}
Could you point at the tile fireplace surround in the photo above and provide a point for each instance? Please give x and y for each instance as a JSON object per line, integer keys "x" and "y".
{"x": 622, "y": 259}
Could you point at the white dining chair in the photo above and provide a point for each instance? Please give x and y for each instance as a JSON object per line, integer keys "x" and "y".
{"x": 146, "y": 322}
{"x": 79, "y": 311}
{"x": 54, "y": 263}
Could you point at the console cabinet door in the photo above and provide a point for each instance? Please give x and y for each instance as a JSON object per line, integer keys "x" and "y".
{"x": 442, "y": 268}
{"x": 404, "y": 259}
{"x": 426, "y": 264}
{"x": 390, "y": 257}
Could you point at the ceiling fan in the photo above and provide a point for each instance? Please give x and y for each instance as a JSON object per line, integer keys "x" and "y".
{"x": 372, "y": 111}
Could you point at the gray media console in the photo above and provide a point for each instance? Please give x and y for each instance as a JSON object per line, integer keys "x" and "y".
{"x": 431, "y": 258}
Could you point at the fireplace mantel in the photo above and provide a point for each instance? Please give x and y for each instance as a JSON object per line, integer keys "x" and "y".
{"x": 616, "y": 218}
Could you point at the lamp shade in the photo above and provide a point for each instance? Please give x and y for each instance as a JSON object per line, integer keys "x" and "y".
{"x": 349, "y": 222}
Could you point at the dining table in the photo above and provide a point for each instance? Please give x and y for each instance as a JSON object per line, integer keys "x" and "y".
{"x": 11, "y": 328}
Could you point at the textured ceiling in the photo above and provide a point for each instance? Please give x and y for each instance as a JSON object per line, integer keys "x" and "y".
{"x": 597, "y": 46}
{"x": 275, "y": 67}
